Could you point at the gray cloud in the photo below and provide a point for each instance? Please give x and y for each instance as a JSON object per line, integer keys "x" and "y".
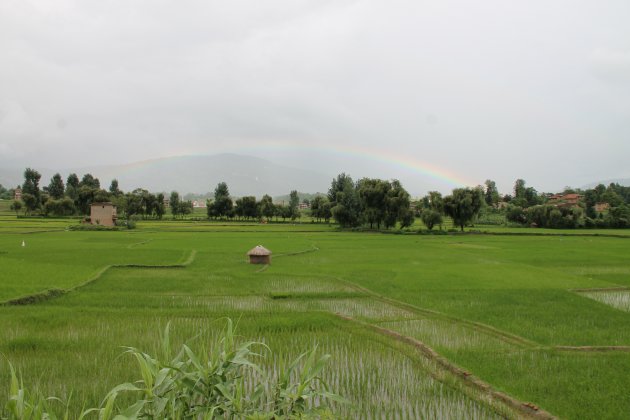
{"x": 533, "y": 90}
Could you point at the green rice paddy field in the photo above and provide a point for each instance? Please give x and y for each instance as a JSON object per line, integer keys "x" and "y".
{"x": 543, "y": 319}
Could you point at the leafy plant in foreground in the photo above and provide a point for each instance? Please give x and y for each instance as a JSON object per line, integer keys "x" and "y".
{"x": 222, "y": 383}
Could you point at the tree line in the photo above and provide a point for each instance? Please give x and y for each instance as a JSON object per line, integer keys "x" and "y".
{"x": 248, "y": 208}
{"x": 368, "y": 202}
{"x": 528, "y": 208}
{"x": 75, "y": 196}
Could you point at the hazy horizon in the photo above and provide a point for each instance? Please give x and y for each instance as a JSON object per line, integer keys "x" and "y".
{"x": 435, "y": 94}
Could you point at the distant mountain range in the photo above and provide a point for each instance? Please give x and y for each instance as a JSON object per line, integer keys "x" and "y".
{"x": 245, "y": 175}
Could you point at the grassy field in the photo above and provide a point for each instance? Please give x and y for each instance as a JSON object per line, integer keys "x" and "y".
{"x": 502, "y": 307}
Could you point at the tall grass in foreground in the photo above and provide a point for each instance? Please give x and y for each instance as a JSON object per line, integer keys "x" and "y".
{"x": 225, "y": 382}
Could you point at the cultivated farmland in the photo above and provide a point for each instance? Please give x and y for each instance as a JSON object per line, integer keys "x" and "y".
{"x": 414, "y": 323}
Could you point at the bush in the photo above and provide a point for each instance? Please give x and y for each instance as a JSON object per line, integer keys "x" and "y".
{"x": 63, "y": 207}
{"x": 90, "y": 227}
{"x": 430, "y": 218}
{"x": 129, "y": 224}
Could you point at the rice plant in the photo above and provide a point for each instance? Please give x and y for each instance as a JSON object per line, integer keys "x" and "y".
{"x": 443, "y": 334}
{"x": 223, "y": 381}
{"x": 619, "y": 299}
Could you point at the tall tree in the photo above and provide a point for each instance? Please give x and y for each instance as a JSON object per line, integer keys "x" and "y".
{"x": 85, "y": 197}
{"x": 136, "y": 203}
{"x": 294, "y": 202}
{"x": 72, "y": 181}
{"x": 397, "y": 205}
{"x": 247, "y": 207}
{"x": 222, "y": 204}
{"x": 56, "y": 188}
{"x": 31, "y": 184}
{"x": 267, "y": 208}
{"x": 89, "y": 181}
{"x": 72, "y": 188}
{"x": 320, "y": 208}
{"x": 159, "y": 206}
{"x": 340, "y": 184}
{"x": 463, "y": 205}
{"x": 174, "y": 203}
{"x": 532, "y": 197}
{"x": 113, "y": 188}
{"x": 519, "y": 189}
{"x": 185, "y": 207}
{"x": 435, "y": 201}
{"x": 31, "y": 203}
{"x": 492, "y": 194}
{"x": 16, "y": 206}
{"x": 590, "y": 199}
{"x": 372, "y": 197}
{"x": 344, "y": 201}
{"x": 431, "y": 217}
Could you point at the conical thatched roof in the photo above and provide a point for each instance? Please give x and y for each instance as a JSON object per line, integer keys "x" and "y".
{"x": 259, "y": 250}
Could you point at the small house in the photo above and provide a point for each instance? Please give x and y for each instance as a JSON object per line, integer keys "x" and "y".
{"x": 565, "y": 200}
{"x": 18, "y": 194}
{"x": 103, "y": 214}
{"x": 259, "y": 255}
{"x": 602, "y": 207}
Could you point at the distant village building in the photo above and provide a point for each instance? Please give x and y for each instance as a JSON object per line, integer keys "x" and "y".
{"x": 259, "y": 255}
{"x": 199, "y": 204}
{"x": 18, "y": 194}
{"x": 602, "y": 207}
{"x": 167, "y": 203}
{"x": 303, "y": 206}
{"x": 103, "y": 214}
{"x": 565, "y": 200}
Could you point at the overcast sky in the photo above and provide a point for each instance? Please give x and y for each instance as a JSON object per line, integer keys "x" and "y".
{"x": 499, "y": 89}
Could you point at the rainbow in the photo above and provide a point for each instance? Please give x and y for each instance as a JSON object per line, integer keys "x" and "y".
{"x": 405, "y": 162}
{"x": 378, "y": 156}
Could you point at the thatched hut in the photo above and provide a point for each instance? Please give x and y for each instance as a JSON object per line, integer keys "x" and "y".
{"x": 259, "y": 255}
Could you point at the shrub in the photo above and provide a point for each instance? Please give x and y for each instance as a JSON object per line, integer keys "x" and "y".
{"x": 430, "y": 218}
{"x": 129, "y": 224}
{"x": 91, "y": 227}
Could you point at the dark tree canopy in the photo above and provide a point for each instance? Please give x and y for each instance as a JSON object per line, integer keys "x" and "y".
{"x": 72, "y": 181}
{"x": 159, "y": 206}
{"x": 294, "y": 202}
{"x": 346, "y": 209}
{"x": 222, "y": 204}
{"x": 431, "y": 217}
{"x": 372, "y": 197}
{"x": 89, "y": 181}
{"x": 113, "y": 188}
{"x": 463, "y": 205}
{"x": 267, "y": 208}
{"x": 320, "y": 208}
{"x": 31, "y": 183}
{"x": 56, "y": 188}
{"x": 30, "y": 202}
{"x": 16, "y": 206}
{"x": 492, "y": 194}
{"x": 397, "y": 206}
{"x": 174, "y": 203}
{"x": 246, "y": 207}
{"x": 373, "y": 202}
